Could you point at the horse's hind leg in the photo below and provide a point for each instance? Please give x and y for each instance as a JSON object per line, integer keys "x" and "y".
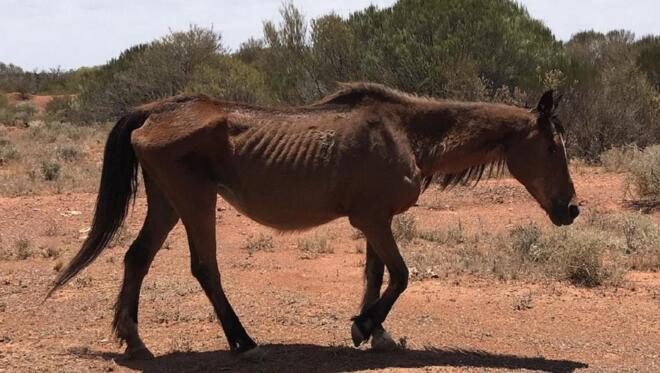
{"x": 373, "y": 274}
{"x": 194, "y": 197}
{"x": 158, "y": 223}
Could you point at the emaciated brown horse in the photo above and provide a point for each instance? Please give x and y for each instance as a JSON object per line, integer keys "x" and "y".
{"x": 365, "y": 152}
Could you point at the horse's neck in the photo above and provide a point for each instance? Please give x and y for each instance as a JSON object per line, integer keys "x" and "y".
{"x": 458, "y": 141}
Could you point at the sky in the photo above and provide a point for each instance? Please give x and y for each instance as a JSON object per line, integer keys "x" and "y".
{"x": 42, "y": 34}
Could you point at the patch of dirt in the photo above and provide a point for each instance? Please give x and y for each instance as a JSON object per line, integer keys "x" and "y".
{"x": 299, "y": 310}
{"x": 39, "y": 101}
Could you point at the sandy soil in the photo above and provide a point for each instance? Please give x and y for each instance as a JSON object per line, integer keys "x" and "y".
{"x": 299, "y": 310}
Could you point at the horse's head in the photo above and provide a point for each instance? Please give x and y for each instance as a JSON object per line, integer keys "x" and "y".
{"x": 538, "y": 161}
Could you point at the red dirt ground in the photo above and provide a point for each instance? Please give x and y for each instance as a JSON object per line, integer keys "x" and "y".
{"x": 300, "y": 310}
{"x": 39, "y": 101}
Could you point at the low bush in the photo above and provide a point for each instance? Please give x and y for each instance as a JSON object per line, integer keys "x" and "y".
{"x": 404, "y": 228}
{"x": 312, "y": 247}
{"x": 597, "y": 250}
{"x": 68, "y": 153}
{"x": 8, "y": 151}
{"x": 50, "y": 170}
{"x": 644, "y": 176}
{"x": 618, "y": 159}
{"x": 260, "y": 242}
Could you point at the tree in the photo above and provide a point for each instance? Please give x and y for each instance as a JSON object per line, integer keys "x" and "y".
{"x": 610, "y": 102}
{"x": 417, "y": 45}
{"x": 147, "y": 72}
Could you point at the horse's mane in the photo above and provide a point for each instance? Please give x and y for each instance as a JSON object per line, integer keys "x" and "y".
{"x": 352, "y": 93}
{"x": 471, "y": 175}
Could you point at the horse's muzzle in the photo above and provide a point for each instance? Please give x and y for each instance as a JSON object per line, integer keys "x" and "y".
{"x": 564, "y": 214}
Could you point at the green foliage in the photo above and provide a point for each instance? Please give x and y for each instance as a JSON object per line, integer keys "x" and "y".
{"x": 147, "y": 72}
{"x": 649, "y": 58}
{"x": 229, "y": 78}
{"x": 61, "y": 108}
{"x": 53, "y": 81}
{"x": 609, "y": 100}
{"x": 416, "y": 45}
{"x": 333, "y": 56}
{"x": 286, "y": 58}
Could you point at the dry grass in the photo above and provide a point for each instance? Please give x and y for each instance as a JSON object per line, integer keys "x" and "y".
{"x": 311, "y": 247}
{"x": 19, "y": 250}
{"x": 259, "y": 242}
{"x": 404, "y": 227}
{"x": 8, "y": 151}
{"x": 643, "y": 180}
{"x": 597, "y": 250}
{"x": 618, "y": 159}
{"x": 50, "y": 252}
{"x": 50, "y": 158}
{"x": 642, "y": 168}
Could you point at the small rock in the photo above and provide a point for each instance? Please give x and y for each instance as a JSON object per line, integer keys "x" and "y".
{"x": 71, "y": 213}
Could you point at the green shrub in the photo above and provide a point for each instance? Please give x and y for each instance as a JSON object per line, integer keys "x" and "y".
{"x": 50, "y": 170}
{"x": 61, "y": 108}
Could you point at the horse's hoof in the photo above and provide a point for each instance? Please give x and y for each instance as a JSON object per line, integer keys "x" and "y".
{"x": 253, "y": 355}
{"x": 140, "y": 353}
{"x": 357, "y": 335}
{"x": 381, "y": 340}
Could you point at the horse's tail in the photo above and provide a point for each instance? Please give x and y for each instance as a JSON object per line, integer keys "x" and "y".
{"x": 118, "y": 187}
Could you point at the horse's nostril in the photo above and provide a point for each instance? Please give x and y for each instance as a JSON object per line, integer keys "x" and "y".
{"x": 574, "y": 211}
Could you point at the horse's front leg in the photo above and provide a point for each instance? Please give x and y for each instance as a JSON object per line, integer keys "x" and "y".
{"x": 373, "y": 275}
{"x": 379, "y": 236}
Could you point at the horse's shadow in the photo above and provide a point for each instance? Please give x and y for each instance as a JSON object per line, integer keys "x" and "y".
{"x": 331, "y": 359}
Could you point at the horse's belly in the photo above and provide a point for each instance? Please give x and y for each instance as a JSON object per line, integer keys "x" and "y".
{"x": 284, "y": 210}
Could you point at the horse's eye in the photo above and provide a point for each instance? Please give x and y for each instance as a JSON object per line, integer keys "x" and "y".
{"x": 552, "y": 149}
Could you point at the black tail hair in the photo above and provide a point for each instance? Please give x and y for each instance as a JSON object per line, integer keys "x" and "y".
{"x": 118, "y": 187}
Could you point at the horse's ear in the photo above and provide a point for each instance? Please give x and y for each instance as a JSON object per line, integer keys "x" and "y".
{"x": 546, "y": 103}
